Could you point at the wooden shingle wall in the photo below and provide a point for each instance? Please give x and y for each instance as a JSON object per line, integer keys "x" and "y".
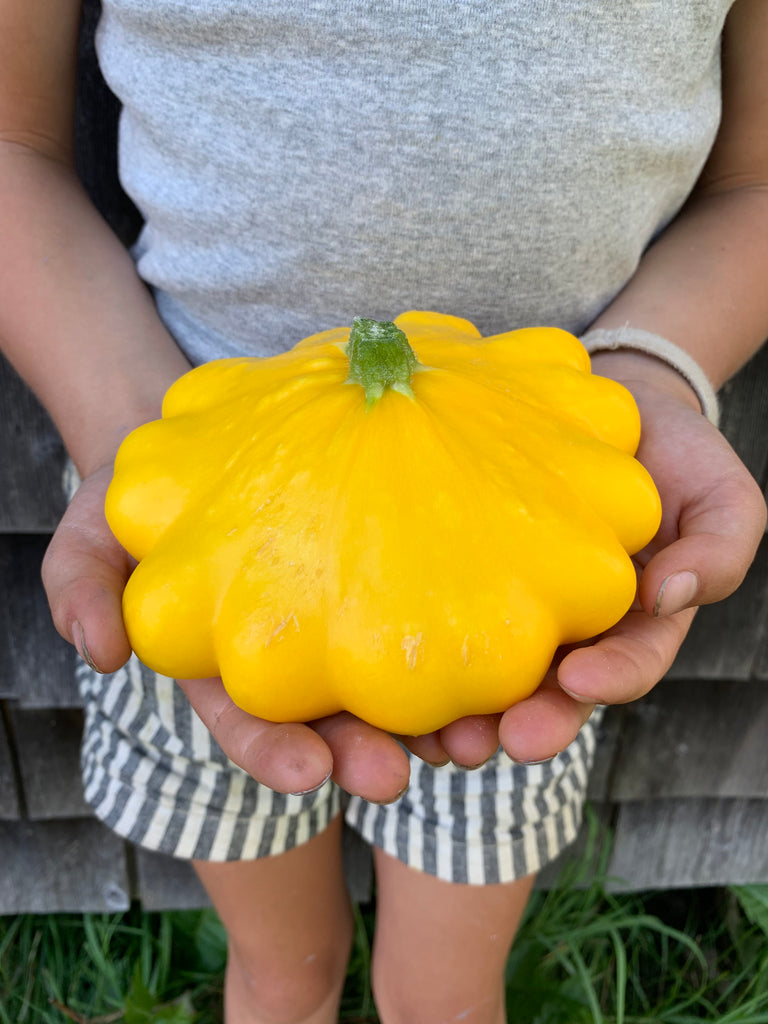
{"x": 681, "y": 776}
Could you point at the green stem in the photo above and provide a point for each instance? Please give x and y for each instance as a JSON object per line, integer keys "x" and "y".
{"x": 380, "y": 358}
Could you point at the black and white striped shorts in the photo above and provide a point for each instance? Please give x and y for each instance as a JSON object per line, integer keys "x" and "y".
{"x": 155, "y": 775}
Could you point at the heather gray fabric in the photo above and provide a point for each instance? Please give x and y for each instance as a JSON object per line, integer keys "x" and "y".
{"x": 301, "y": 163}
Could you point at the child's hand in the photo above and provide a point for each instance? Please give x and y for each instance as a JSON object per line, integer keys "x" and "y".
{"x": 85, "y": 571}
{"x": 713, "y": 518}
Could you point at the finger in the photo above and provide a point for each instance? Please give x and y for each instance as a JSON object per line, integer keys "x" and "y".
{"x": 541, "y": 726}
{"x": 627, "y": 661}
{"x": 289, "y": 758}
{"x": 366, "y": 761}
{"x": 719, "y": 533}
{"x": 84, "y": 573}
{"x": 428, "y": 748}
{"x": 471, "y": 741}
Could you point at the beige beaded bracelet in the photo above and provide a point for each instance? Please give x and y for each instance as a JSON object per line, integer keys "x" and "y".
{"x": 610, "y": 340}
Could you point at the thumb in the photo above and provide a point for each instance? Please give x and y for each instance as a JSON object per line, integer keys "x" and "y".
{"x": 84, "y": 573}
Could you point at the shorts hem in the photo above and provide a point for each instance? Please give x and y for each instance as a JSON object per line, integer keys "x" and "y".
{"x": 524, "y": 851}
{"x": 188, "y": 831}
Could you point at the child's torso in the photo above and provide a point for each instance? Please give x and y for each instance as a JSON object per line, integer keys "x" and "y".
{"x": 299, "y": 164}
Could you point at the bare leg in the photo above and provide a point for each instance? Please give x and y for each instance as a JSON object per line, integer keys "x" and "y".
{"x": 441, "y": 949}
{"x": 289, "y": 925}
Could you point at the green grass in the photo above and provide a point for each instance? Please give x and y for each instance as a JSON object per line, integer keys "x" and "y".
{"x": 586, "y": 956}
{"x": 583, "y": 956}
{"x": 103, "y": 968}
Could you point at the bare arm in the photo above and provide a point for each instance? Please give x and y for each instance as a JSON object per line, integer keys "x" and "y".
{"x": 81, "y": 328}
{"x": 75, "y": 319}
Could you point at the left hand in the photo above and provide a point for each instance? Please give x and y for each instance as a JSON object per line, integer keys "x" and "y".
{"x": 713, "y": 518}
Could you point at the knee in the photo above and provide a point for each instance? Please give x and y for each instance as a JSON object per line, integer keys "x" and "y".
{"x": 398, "y": 1000}
{"x": 404, "y": 997}
{"x": 277, "y": 991}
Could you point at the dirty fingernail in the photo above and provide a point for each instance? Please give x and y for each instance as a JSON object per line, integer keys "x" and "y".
{"x": 393, "y": 800}
{"x": 676, "y": 592}
{"x": 78, "y": 638}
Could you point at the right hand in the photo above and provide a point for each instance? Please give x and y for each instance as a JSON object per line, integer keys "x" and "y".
{"x": 84, "y": 573}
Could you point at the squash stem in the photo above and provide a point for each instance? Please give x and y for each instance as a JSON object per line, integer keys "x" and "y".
{"x": 380, "y": 357}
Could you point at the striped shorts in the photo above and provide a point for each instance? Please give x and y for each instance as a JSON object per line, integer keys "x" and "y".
{"x": 155, "y": 776}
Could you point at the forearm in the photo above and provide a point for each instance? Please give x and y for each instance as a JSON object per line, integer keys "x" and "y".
{"x": 75, "y": 320}
{"x": 702, "y": 284}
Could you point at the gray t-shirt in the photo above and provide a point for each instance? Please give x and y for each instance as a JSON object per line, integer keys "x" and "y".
{"x": 302, "y": 163}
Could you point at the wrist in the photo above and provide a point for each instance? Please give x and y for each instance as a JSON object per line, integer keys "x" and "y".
{"x": 99, "y": 409}
{"x": 637, "y": 370}
{"x": 92, "y": 446}
{"x": 631, "y": 355}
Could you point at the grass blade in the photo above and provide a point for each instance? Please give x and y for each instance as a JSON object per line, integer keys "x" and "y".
{"x": 753, "y": 900}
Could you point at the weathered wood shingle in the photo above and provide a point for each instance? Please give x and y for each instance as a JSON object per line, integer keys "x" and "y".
{"x": 62, "y": 866}
{"x": 682, "y": 843}
{"x": 31, "y": 496}
{"x": 37, "y": 667}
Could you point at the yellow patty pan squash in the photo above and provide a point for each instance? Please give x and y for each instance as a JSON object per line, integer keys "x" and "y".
{"x": 403, "y": 520}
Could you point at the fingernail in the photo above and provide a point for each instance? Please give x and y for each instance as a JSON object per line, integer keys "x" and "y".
{"x": 581, "y": 699}
{"x": 576, "y": 696}
{"x": 530, "y": 764}
{"x": 312, "y": 789}
{"x": 386, "y": 803}
{"x": 78, "y": 638}
{"x": 676, "y": 592}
